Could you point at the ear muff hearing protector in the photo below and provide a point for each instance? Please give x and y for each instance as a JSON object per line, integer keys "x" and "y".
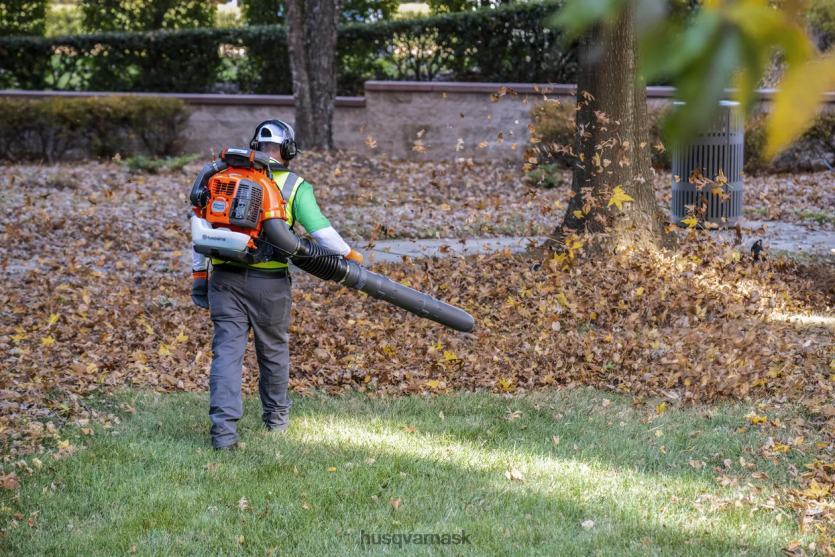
{"x": 288, "y": 146}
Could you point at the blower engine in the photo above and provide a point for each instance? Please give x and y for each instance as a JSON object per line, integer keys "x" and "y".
{"x": 240, "y": 217}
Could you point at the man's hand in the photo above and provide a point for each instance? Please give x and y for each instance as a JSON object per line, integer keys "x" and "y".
{"x": 200, "y": 289}
{"x": 355, "y": 256}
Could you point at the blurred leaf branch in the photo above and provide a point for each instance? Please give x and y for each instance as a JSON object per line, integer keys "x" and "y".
{"x": 702, "y": 48}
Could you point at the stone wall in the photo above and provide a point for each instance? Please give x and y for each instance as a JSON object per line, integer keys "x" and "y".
{"x": 455, "y": 118}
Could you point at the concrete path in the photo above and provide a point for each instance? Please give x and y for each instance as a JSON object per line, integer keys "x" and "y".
{"x": 784, "y": 236}
{"x": 396, "y": 250}
{"x": 777, "y": 236}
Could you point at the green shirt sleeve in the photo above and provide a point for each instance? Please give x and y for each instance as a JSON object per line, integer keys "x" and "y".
{"x": 306, "y": 210}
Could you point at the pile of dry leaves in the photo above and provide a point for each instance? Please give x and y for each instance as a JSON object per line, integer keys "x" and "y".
{"x": 96, "y": 297}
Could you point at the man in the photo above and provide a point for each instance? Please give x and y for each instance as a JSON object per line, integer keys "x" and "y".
{"x": 257, "y": 297}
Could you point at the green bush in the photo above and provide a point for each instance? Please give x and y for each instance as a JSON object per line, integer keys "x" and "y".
{"x": 270, "y": 12}
{"x": 461, "y": 46}
{"x": 554, "y": 125}
{"x": 452, "y": 6}
{"x": 807, "y": 154}
{"x": 58, "y": 127}
{"x": 142, "y": 164}
{"x": 821, "y": 18}
{"x": 141, "y": 15}
{"x": 22, "y": 17}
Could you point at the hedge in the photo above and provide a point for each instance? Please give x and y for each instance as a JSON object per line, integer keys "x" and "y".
{"x": 61, "y": 128}
{"x": 507, "y": 44}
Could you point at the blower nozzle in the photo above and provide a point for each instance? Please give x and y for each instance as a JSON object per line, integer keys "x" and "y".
{"x": 321, "y": 263}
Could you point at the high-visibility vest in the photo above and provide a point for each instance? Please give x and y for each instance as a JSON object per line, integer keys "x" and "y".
{"x": 288, "y": 183}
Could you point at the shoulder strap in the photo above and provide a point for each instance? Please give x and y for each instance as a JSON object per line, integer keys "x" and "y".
{"x": 289, "y": 184}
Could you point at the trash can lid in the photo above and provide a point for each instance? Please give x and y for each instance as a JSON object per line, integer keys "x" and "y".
{"x": 721, "y": 103}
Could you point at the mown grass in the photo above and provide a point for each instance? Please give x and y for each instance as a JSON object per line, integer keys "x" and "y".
{"x": 153, "y": 486}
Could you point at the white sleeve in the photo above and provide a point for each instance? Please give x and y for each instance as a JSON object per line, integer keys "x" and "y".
{"x": 199, "y": 261}
{"x": 330, "y": 239}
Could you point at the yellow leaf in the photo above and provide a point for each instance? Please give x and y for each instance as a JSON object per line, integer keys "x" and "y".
{"x": 796, "y": 102}
{"x": 449, "y": 356}
{"x": 578, "y": 214}
{"x": 506, "y": 384}
{"x": 64, "y": 444}
{"x": 181, "y": 337}
{"x": 659, "y": 433}
{"x": 816, "y": 491}
{"x": 691, "y": 222}
{"x": 661, "y": 408}
{"x": 53, "y": 319}
{"x": 639, "y": 291}
{"x": 47, "y": 341}
{"x": 331, "y": 469}
{"x": 164, "y": 351}
{"x": 433, "y": 384}
{"x": 618, "y": 198}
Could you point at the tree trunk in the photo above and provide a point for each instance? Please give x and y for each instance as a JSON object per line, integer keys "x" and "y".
{"x": 311, "y": 39}
{"x": 612, "y": 144}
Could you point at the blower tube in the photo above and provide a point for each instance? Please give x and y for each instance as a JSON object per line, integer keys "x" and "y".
{"x": 319, "y": 262}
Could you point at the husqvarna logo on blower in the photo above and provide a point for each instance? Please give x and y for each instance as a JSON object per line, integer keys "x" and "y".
{"x": 214, "y": 238}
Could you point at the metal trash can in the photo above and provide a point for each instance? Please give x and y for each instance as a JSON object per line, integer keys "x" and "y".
{"x": 721, "y": 147}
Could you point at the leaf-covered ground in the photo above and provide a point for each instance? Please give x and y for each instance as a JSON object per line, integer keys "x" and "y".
{"x": 95, "y": 297}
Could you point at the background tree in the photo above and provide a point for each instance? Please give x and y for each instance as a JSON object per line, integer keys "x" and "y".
{"x": 311, "y": 40}
{"x": 612, "y": 193}
{"x": 266, "y": 12}
{"x": 701, "y": 52}
{"x": 22, "y": 17}
{"x": 147, "y": 15}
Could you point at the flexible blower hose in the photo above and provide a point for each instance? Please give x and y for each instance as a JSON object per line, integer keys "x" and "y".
{"x": 320, "y": 262}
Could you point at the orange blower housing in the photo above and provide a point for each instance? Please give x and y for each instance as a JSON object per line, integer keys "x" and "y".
{"x": 238, "y": 194}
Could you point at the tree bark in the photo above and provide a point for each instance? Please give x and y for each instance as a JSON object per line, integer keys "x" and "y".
{"x": 612, "y": 145}
{"x": 311, "y": 39}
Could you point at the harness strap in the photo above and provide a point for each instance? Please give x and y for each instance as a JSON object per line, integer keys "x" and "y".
{"x": 289, "y": 184}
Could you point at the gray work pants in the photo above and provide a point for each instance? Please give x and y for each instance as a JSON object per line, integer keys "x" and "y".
{"x": 240, "y": 302}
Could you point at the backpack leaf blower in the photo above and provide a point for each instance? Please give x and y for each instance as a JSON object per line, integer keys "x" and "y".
{"x": 240, "y": 216}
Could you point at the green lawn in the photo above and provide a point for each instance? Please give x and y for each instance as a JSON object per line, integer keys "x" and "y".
{"x": 153, "y": 486}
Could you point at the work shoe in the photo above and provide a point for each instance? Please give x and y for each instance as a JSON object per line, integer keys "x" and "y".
{"x": 277, "y": 429}
{"x": 228, "y": 448}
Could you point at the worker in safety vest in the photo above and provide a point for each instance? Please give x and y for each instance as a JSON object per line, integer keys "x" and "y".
{"x": 257, "y": 297}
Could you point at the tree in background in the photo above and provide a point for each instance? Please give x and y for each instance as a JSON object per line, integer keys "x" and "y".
{"x": 23, "y": 17}
{"x": 702, "y": 52}
{"x": 147, "y": 15}
{"x": 311, "y": 41}
{"x": 266, "y": 12}
{"x": 612, "y": 201}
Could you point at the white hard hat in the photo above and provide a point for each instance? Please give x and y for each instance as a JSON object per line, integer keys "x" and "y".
{"x": 275, "y": 131}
